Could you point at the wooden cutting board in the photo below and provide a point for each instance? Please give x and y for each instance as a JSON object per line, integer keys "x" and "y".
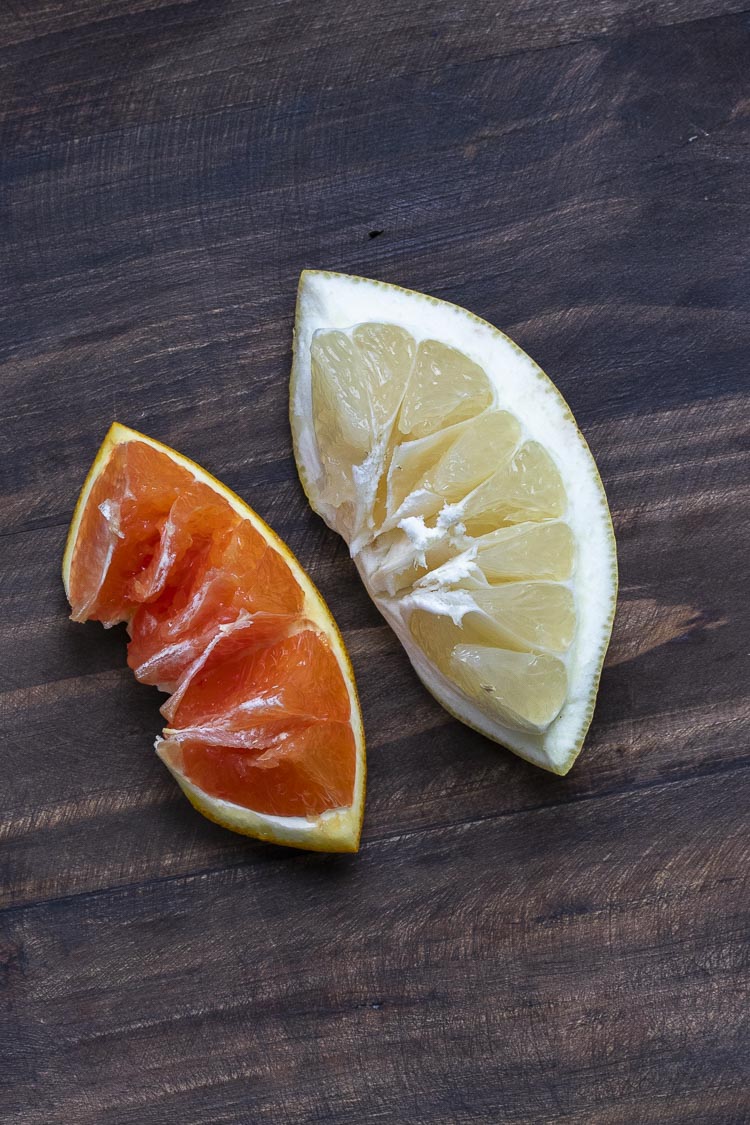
{"x": 508, "y": 946}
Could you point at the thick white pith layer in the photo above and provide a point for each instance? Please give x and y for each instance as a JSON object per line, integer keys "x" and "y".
{"x": 335, "y": 301}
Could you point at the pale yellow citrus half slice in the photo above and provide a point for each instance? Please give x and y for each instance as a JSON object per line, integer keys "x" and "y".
{"x": 470, "y": 502}
{"x": 264, "y": 733}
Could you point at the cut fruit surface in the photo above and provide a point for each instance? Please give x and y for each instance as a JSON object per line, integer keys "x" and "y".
{"x": 470, "y": 502}
{"x": 264, "y": 731}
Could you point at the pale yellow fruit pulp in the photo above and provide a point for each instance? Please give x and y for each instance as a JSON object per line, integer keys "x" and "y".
{"x": 469, "y": 501}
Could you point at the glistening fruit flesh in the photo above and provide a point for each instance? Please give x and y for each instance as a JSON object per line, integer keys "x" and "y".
{"x": 469, "y": 500}
{"x": 264, "y": 732}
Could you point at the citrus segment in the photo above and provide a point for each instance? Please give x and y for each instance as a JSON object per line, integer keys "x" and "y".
{"x": 533, "y": 550}
{"x": 264, "y": 728}
{"x": 469, "y": 501}
{"x": 445, "y": 387}
{"x": 526, "y": 487}
{"x": 386, "y": 353}
{"x": 522, "y": 689}
{"x": 528, "y": 615}
{"x": 303, "y": 775}
{"x": 247, "y": 676}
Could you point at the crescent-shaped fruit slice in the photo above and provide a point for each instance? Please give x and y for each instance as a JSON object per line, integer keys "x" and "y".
{"x": 264, "y": 733}
{"x": 470, "y": 502}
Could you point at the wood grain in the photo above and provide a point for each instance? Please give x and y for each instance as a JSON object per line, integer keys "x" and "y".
{"x": 508, "y": 947}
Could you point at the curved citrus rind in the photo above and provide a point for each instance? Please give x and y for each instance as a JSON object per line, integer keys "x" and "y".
{"x": 335, "y": 830}
{"x": 329, "y": 300}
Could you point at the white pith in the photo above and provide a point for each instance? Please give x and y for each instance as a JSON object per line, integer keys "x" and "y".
{"x": 334, "y": 301}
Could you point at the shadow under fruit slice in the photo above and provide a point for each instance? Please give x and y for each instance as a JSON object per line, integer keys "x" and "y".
{"x": 264, "y": 733}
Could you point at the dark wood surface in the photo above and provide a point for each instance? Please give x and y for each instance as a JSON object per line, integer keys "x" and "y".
{"x": 508, "y": 946}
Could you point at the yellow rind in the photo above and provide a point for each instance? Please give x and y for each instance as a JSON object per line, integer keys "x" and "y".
{"x": 340, "y": 832}
{"x": 560, "y": 768}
